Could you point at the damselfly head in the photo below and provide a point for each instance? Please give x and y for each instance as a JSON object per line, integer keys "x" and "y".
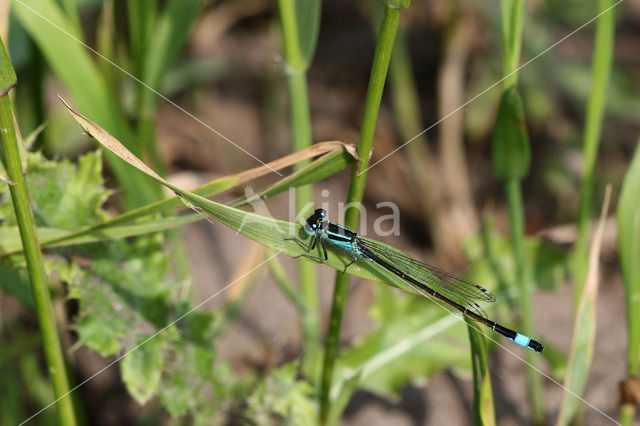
{"x": 316, "y": 222}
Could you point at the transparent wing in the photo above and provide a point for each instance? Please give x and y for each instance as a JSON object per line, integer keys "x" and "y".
{"x": 456, "y": 289}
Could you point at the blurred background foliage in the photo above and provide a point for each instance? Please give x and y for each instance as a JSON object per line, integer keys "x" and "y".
{"x": 252, "y": 355}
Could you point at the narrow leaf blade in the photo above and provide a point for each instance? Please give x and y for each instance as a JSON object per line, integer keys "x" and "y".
{"x": 629, "y": 246}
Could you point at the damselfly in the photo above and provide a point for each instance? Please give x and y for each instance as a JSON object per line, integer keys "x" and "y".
{"x": 456, "y": 293}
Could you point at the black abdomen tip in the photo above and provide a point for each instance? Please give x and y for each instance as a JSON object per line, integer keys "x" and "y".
{"x": 536, "y": 346}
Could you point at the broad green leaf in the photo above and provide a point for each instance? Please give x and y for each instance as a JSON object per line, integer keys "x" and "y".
{"x": 100, "y": 327}
{"x": 385, "y": 359}
{"x": 384, "y": 368}
{"x": 584, "y": 328}
{"x": 190, "y": 366}
{"x": 308, "y": 22}
{"x": 142, "y": 368}
{"x": 123, "y": 292}
{"x": 283, "y": 398}
{"x": 629, "y": 247}
{"x": 510, "y": 145}
{"x": 67, "y": 195}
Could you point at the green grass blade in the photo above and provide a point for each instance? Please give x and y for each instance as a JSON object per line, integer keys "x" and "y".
{"x": 54, "y": 237}
{"x": 349, "y": 379}
{"x": 61, "y": 46}
{"x": 483, "y": 411}
{"x": 628, "y": 216}
{"x": 177, "y": 18}
{"x": 629, "y": 246}
{"x": 321, "y": 168}
{"x": 600, "y": 71}
{"x": 169, "y": 36}
{"x": 71, "y": 9}
{"x": 106, "y": 33}
{"x": 334, "y": 156}
{"x": 584, "y": 329}
{"x": 72, "y": 63}
{"x": 141, "y": 17}
{"x": 343, "y": 391}
{"x": 308, "y": 26}
{"x": 38, "y": 279}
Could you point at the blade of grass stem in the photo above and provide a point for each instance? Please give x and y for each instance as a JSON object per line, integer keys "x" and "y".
{"x": 600, "y": 71}
{"x": 515, "y": 170}
{"x": 584, "y": 328}
{"x": 380, "y": 65}
{"x": 52, "y": 347}
{"x": 296, "y": 65}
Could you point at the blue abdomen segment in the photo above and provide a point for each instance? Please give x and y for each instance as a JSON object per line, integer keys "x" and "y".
{"x": 522, "y": 340}
{"x": 528, "y": 343}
